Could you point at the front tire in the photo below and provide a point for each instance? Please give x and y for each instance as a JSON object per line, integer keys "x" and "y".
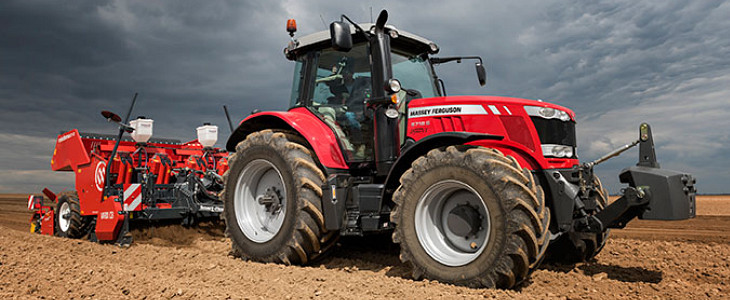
{"x": 272, "y": 200}
{"x": 470, "y": 216}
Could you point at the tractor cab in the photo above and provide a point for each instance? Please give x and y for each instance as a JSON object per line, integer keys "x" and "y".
{"x": 360, "y": 90}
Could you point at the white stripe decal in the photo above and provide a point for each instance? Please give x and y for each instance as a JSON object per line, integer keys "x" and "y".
{"x": 507, "y": 109}
{"x": 494, "y": 110}
{"x": 130, "y": 192}
{"x": 445, "y": 110}
{"x": 136, "y": 202}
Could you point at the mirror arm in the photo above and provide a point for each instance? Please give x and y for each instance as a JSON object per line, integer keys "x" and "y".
{"x": 357, "y": 27}
{"x": 458, "y": 59}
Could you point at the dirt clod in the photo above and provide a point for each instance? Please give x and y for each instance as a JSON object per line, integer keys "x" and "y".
{"x": 599, "y": 276}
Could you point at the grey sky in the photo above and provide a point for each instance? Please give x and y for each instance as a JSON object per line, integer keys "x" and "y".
{"x": 615, "y": 64}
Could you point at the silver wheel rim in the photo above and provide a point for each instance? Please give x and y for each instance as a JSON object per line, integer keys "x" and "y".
{"x": 435, "y": 234}
{"x": 259, "y": 180}
{"x": 64, "y": 216}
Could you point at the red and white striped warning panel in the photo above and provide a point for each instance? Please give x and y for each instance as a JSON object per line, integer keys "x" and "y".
{"x": 30, "y": 202}
{"x": 133, "y": 197}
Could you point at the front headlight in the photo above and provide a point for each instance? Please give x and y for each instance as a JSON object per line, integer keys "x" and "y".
{"x": 560, "y": 151}
{"x": 547, "y": 113}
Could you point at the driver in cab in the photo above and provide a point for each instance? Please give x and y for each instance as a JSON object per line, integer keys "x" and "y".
{"x": 349, "y": 91}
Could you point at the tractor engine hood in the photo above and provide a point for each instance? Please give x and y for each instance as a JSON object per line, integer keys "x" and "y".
{"x": 537, "y": 129}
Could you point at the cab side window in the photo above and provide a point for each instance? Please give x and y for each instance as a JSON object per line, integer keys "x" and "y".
{"x": 341, "y": 88}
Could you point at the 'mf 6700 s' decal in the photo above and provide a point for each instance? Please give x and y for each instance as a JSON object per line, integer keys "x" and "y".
{"x": 445, "y": 110}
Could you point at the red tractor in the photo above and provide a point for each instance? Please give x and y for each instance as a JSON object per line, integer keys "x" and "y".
{"x": 122, "y": 181}
{"x": 477, "y": 190}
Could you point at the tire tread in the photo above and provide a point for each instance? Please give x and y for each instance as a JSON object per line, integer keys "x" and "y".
{"x": 522, "y": 200}
{"x": 309, "y": 239}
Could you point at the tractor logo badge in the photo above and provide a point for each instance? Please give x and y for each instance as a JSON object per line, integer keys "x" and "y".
{"x": 99, "y": 175}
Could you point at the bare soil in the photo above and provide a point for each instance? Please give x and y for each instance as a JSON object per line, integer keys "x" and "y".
{"x": 649, "y": 259}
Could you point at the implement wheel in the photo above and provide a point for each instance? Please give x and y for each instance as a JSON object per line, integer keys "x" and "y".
{"x": 272, "y": 200}
{"x": 470, "y": 216}
{"x": 69, "y": 221}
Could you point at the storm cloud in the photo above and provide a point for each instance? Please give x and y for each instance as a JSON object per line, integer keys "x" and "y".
{"x": 616, "y": 64}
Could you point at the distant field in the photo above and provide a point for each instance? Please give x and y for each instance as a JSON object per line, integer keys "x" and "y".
{"x": 716, "y": 205}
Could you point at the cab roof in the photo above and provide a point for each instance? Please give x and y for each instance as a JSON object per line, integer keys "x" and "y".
{"x": 321, "y": 40}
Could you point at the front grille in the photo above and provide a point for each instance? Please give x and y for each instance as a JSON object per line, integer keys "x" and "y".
{"x": 555, "y": 131}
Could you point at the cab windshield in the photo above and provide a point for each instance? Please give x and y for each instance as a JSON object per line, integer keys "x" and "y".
{"x": 414, "y": 73}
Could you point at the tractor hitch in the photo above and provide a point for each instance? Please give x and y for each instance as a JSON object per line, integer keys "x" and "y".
{"x": 653, "y": 193}
{"x": 631, "y": 205}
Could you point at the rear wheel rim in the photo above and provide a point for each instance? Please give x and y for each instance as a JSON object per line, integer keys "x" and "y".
{"x": 64, "y": 216}
{"x": 434, "y": 215}
{"x": 260, "y": 180}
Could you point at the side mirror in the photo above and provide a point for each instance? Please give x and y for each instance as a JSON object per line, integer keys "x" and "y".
{"x": 481, "y": 74}
{"x": 341, "y": 37}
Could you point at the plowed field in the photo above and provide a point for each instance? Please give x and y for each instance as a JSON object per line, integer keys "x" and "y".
{"x": 648, "y": 260}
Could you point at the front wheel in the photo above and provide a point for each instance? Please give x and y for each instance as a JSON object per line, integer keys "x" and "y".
{"x": 470, "y": 216}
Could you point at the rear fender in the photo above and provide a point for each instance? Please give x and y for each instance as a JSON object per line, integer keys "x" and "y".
{"x": 319, "y": 136}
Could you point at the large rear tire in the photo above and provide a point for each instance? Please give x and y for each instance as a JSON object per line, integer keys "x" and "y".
{"x": 470, "y": 216}
{"x": 576, "y": 247}
{"x": 272, "y": 200}
{"x": 69, "y": 221}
